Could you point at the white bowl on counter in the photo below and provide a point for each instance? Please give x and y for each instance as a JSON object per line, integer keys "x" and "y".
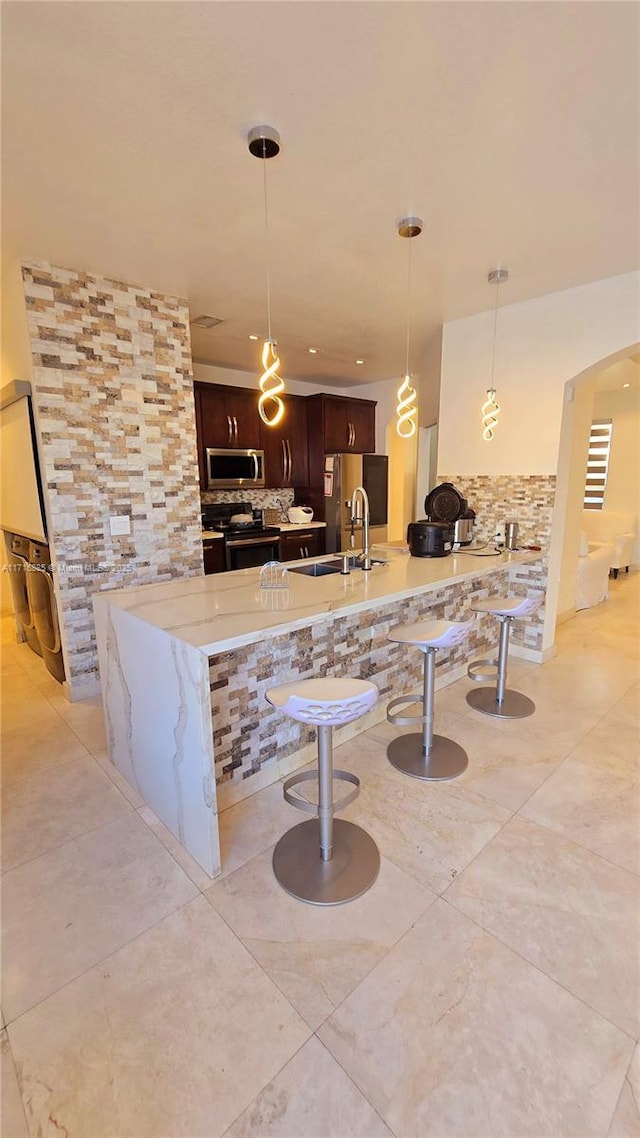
{"x": 300, "y": 515}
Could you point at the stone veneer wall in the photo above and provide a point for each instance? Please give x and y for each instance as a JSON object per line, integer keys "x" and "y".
{"x": 250, "y": 735}
{"x": 113, "y": 390}
{"x": 529, "y": 500}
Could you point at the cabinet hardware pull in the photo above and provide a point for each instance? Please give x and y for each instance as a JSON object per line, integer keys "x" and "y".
{"x": 230, "y": 429}
{"x": 284, "y": 463}
{"x": 290, "y": 462}
{"x": 235, "y": 428}
{"x": 353, "y": 427}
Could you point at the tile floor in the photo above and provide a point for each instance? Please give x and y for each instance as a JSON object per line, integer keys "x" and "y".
{"x": 486, "y": 986}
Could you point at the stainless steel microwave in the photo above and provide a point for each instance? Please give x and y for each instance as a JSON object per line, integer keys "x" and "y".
{"x": 229, "y": 469}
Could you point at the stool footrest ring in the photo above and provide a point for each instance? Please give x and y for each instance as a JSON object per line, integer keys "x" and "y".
{"x": 483, "y": 671}
{"x": 310, "y": 776}
{"x": 404, "y": 720}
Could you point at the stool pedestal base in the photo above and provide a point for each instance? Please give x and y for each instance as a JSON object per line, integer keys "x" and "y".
{"x": 446, "y": 759}
{"x": 515, "y": 705}
{"x": 351, "y": 870}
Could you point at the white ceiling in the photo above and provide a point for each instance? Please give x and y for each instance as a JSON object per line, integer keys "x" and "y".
{"x": 512, "y": 128}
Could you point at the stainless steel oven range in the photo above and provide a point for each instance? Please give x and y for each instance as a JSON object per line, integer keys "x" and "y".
{"x": 246, "y": 543}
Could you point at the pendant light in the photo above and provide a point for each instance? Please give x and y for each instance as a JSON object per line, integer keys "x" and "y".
{"x": 491, "y": 408}
{"x": 264, "y": 143}
{"x": 406, "y": 408}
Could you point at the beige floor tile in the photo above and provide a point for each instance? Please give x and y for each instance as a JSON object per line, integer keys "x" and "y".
{"x": 130, "y": 793}
{"x": 73, "y": 906}
{"x": 43, "y": 812}
{"x": 593, "y": 807}
{"x": 611, "y": 746}
{"x": 569, "y": 912}
{"x": 453, "y": 1034}
{"x": 579, "y": 683}
{"x": 12, "y": 1117}
{"x": 86, "y": 720}
{"x": 317, "y": 955}
{"x": 627, "y": 710}
{"x": 177, "y": 1032}
{"x": 37, "y": 747}
{"x": 193, "y": 871}
{"x": 506, "y": 772}
{"x": 311, "y": 1097}
{"x": 626, "y": 1120}
{"x": 14, "y": 681}
{"x": 253, "y": 825}
{"x": 26, "y": 707}
{"x": 429, "y": 829}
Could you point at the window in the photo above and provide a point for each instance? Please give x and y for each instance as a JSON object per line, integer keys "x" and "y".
{"x": 597, "y": 464}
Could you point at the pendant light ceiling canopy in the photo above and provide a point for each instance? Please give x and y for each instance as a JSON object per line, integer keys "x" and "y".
{"x": 406, "y": 408}
{"x": 491, "y": 407}
{"x": 264, "y": 143}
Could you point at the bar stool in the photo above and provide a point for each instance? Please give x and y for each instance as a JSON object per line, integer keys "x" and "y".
{"x": 425, "y": 755}
{"x": 501, "y": 700}
{"x": 325, "y": 861}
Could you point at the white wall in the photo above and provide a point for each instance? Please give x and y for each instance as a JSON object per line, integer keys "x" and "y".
{"x": 622, "y": 406}
{"x": 573, "y": 458}
{"x": 541, "y": 345}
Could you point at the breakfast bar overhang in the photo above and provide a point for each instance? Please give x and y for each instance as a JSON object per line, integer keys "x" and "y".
{"x": 184, "y": 667}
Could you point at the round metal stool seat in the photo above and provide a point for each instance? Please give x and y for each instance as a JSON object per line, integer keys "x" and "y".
{"x": 500, "y": 701}
{"x": 424, "y": 755}
{"x": 325, "y": 861}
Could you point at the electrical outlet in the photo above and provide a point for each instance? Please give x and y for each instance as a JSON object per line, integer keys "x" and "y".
{"x": 120, "y": 525}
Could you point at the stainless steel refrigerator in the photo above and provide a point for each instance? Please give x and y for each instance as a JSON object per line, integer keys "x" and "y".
{"x": 343, "y": 472}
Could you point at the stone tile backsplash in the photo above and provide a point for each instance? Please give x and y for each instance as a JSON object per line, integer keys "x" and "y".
{"x": 113, "y": 389}
{"x": 527, "y": 499}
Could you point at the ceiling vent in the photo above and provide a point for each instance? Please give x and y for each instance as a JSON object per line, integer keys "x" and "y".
{"x": 206, "y": 321}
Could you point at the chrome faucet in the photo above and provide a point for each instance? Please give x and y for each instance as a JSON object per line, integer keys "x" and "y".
{"x": 360, "y": 513}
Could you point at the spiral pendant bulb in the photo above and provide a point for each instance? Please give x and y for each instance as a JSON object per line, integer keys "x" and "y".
{"x": 406, "y": 409}
{"x": 270, "y": 405}
{"x": 490, "y": 412}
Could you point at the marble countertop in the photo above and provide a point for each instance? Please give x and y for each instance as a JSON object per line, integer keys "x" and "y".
{"x": 227, "y": 610}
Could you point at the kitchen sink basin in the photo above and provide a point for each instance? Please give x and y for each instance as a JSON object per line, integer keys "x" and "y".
{"x": 318, "y": 569}
{"x": 354, "y": 563}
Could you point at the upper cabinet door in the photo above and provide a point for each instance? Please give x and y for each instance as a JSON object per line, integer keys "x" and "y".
{"x": 286, "y": 447}
{"x": 349, "y": 425}
{"x": 242, "y": 409}
{"x": 228, "y": 417}
{"x": 336, "y": 425}
{"x": 362, "y": 423}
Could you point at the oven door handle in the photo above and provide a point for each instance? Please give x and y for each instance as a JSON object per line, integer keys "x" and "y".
{"x": 241, "y": 542}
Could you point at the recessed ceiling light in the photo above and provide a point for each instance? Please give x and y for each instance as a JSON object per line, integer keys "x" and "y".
{"x": 626, "y": 385}
{"x": 252, "y": 337}
{"x": 359, "y": 361}
{"x": 313, "y": 351}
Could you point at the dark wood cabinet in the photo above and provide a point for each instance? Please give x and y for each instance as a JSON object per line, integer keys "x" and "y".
{"x": 286, "y": 451}
{"x": 214, "y": 556}
{"x": 298, "y": 544}
{"x": 346, "y": 424}
{"x": 228, "y": 416}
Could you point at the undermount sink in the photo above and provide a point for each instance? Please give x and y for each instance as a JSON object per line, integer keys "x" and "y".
{"x": 318, "y": 569}
{"x": 354, "y": 563}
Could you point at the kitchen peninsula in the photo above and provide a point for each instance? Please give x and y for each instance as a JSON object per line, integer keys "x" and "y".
{"x": 185, "y": 665}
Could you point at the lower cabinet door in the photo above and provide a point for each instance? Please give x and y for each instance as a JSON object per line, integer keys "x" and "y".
{"x": 298, "y": 546}
{"x": 214, "y": 557}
